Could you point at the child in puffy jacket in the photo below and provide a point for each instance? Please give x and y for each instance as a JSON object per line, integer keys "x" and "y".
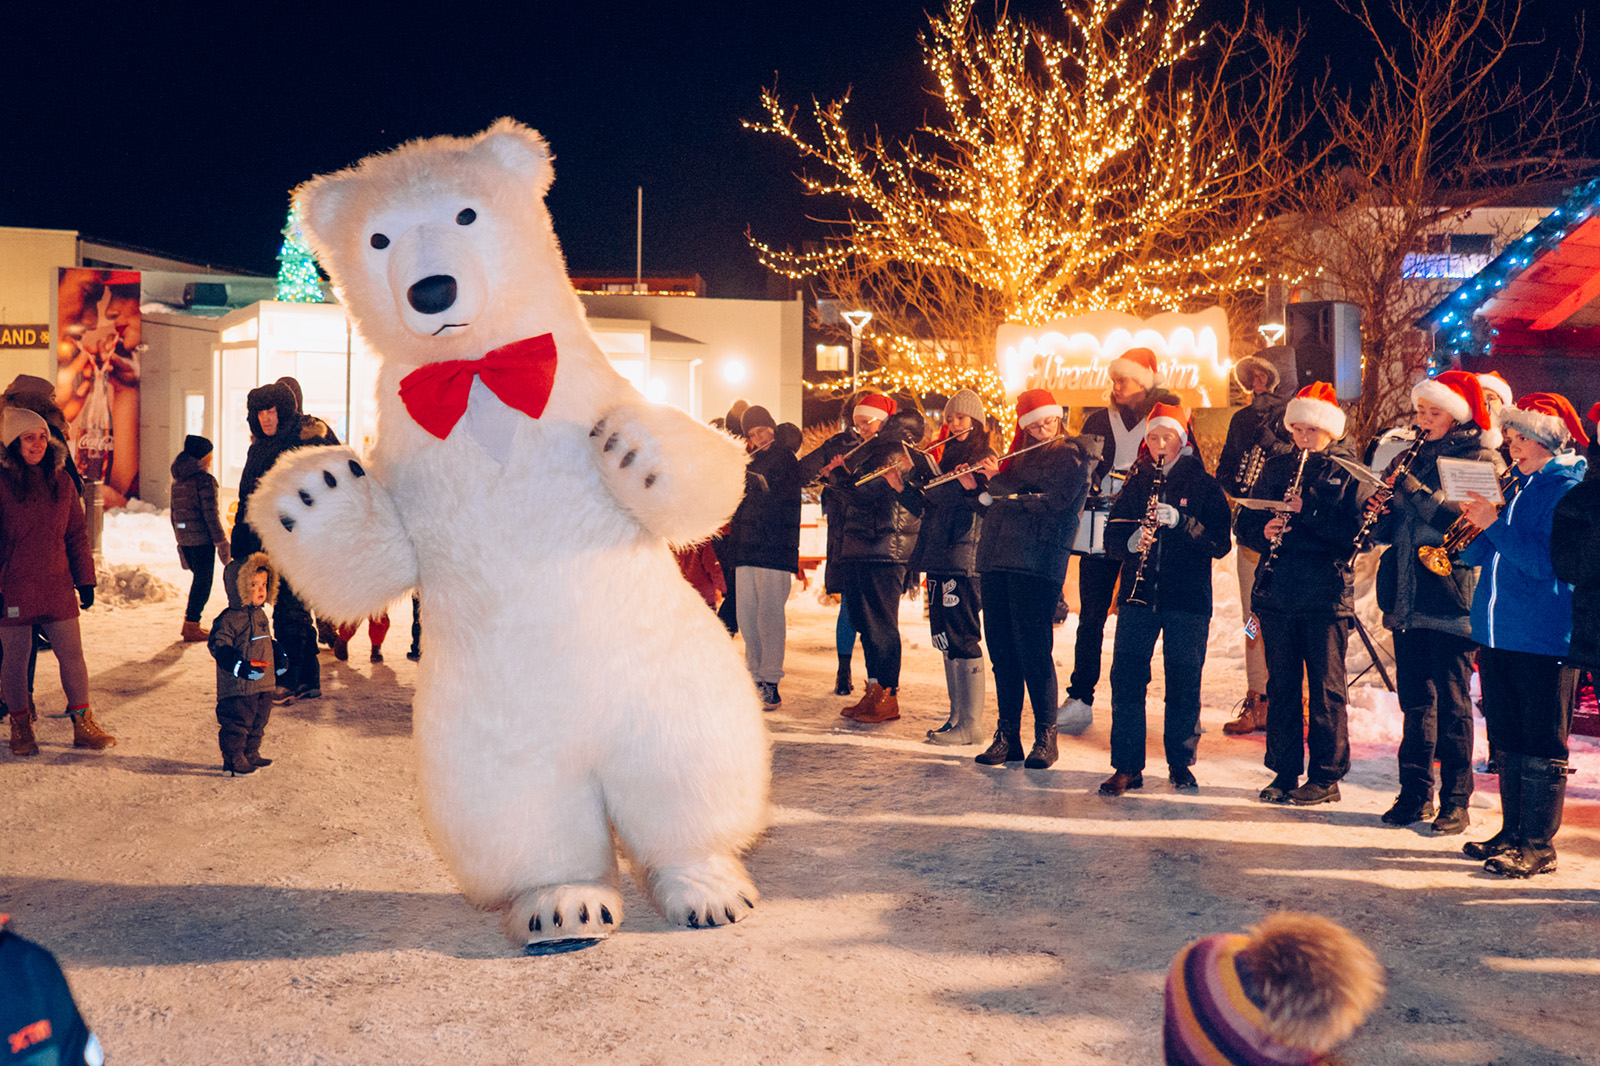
{"x": 248, "y": 665}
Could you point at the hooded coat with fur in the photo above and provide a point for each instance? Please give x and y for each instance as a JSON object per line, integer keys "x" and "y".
{"x": 244, "y": 634}
{"x": 44, "y": 541}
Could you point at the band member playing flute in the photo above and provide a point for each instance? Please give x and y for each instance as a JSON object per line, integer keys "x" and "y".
{"x": 1305, "y": 603}
{"x": 1166, "y": 541}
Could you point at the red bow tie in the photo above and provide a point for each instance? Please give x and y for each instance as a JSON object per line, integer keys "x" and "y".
{"x": 521, "y": 374}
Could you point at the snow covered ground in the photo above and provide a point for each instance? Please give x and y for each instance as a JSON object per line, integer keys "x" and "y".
{"x": 917, "y": 908}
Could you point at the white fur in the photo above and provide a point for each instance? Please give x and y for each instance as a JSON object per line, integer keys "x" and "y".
{"x": 1442, "y": 396}
{"x": 1303, "y": 410}
{"x": 574, "y": 683}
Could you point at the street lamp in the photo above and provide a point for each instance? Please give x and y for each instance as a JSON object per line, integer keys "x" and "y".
{"x": 1273, "y": 311}
{"x": 858, "y": 321}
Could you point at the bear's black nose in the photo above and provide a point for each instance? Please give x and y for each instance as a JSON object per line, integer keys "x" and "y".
{"x": 433, "y": 294}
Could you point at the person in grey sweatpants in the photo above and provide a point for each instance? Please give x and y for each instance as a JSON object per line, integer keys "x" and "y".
{"x": 765, "y": 538}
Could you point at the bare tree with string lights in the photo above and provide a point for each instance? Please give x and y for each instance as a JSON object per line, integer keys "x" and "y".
{"x": 1123, "y": 159}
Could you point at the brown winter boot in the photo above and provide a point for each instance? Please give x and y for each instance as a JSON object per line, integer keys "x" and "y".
{"x": 869, "y": 700}
{"x": 192, "y": 633}
{"x": 885, "y": 707}
{"x": 86, "y": 733}
{"x": 1252, "y": 716}
{"x": 22, "y": 742}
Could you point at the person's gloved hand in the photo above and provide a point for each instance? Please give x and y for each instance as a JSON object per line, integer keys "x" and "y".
{"x": 250, "y": 669}
{"x": 86, "y": 596}
{"x": 1167, "y": 515}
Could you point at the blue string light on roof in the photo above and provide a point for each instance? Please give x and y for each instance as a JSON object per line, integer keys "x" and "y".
{"x": 1473, "y": 293}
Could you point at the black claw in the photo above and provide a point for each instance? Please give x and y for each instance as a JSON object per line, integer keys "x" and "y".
{"x": 611, "y": 442}
{"x": 747, "y": 902}
{"x": 332, "y": 481}
{"x": 729, "y": 912}
{"x": 288, "y": 523}
{"x": 355, "y": 468}
{"x": 583, "y": 913}
{"x": 305, "y": 498}
{"x": 599, "y": 428}
{"x": 605, "y": 914}
{"x": 535, "y": 925}
{"x": 627, "y": 460}
{"x": 650, "y": 479}
{"x": 556, "y": 918}
{"x": 694, "y": 920}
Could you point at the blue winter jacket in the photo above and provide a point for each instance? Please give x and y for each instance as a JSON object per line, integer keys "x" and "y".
{"x": 1520, "y": 604}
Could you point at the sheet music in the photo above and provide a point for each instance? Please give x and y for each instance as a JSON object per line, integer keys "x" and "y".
{"x": 1458, "y": 477}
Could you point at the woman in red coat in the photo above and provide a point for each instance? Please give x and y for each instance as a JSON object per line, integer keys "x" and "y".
{"x": 46, "y": 572}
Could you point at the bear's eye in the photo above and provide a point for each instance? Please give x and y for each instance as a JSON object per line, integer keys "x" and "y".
{"x": 466, "y": 216}
{"x": 379, "y": 241}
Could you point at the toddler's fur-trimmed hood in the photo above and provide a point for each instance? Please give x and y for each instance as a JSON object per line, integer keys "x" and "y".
{"x": 241, "y": 580}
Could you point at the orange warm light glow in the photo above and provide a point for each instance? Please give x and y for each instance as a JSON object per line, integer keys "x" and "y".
{"x": 1071, "y": 356}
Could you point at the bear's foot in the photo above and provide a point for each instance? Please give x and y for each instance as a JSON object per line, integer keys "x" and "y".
{"x": 715, "y": 891}
{"x": 556, "y": 914}
{"x": 676, "y": 478}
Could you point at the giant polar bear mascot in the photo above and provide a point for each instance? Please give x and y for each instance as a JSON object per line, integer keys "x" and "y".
{"x": 574, "y": 682}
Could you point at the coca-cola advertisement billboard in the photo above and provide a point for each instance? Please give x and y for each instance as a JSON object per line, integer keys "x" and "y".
{"x": 98, "y": 351}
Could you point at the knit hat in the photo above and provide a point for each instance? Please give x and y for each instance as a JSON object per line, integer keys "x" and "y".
{"x": 196, "y": 447}
{"x": 1170, "y": 416}
{"x": 1035, "y": 405}
{"x": 1249, "y": 367}
{"x": 1493, "y": 382}
{"x": 1136, "y": 364}
{"x": 1316, "y": 405}
{"x": 1285, "y": 994}
{"x": 18, "y": 420}
{"x": 756, "y": 417}
{"x": 1546, "y": 418}
{"x": 1457, "y": 392}
{"x": 27, "y": 386}
{"x": 965, "y": 402}
{"x": 874, "y": 405}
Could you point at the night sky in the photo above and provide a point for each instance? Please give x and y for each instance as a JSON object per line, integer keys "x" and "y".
{"x": 182, "y": 129}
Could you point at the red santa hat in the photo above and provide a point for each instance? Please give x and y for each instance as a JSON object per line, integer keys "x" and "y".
{"x": 1546, "y": 418}
{"x": 1594, "y": 413}
{"x": 1171, "y": 416}
{"x": 1458, "y": 392}
{"x": 1136, "y": 364}
{"x": 1493, "y": 382}
{"x": 1034, "y": 405}
{"x": 874, "y": 405}
{"x": 1316, "y": 405}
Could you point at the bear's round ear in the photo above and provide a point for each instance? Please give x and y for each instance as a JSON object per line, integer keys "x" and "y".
{"x": 515, "y": 147}
{"x": 320, "y": 200}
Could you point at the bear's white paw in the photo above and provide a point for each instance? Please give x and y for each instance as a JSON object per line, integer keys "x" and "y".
{"x": 675, "y": 477}
{"x": 701, "y": 895}
{"x": 562, "y": 912}
{"x": 334, "y": 532}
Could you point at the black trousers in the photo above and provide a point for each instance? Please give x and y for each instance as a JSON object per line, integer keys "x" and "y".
{"x": 955, "y": 606}
{"x": 1017, "y": 609}
{"x": 241, "y": 721}
{"x": 202, "y": 560}
{"x": 1097, "y": 583}
{"x": 1432, "y": 672}
{"x": 297, "y": 637}
{"x": 1526, "y": 708}
{"x": 1310, "y": 646}
{"x": 872, "y": 594}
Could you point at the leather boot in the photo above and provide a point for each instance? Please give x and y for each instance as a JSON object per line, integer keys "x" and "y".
{"x": 1007, "y": 744}
{"x": 865, "y": 704}
{"x": 22, "y": 742}
{"x": 86, "y": 733}
{"x": 841, "y": 683}
{"x": 1043, "y": 756}
{"x": 1252, "y": 717}
{"x": 952, "y": 685}
{"x": 192, "y": 633}
{"x": 1510, "y": 812}
{"x": 1544, "y": 791}
{"x": 885, "y": 708}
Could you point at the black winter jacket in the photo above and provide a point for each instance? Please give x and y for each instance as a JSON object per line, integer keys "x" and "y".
{"x": 1259, "y": 424}
{"x": 1035, "y": 535}
{"x": 195, "y": 520}
{"x": 765, "y": 531}
{"x": 948, "y": 543}
{"x": 1178, "y": 571}
{"x": 264, "y": 451}
{"x": 1575, "y": 551}
{"x": 877, "y": 524}
{"x": 1410, "y": 595}
{"x": 811, "y": 465}
{"x": 1309, "y": 572}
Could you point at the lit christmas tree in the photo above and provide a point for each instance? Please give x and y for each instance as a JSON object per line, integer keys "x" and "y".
{"x": 298, "y": 280}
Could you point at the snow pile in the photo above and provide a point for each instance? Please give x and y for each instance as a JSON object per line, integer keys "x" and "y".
{"x": 139, "y": 557}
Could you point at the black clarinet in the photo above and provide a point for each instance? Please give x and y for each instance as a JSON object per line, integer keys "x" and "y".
{"x": 1402, "y": 466}
{"x": 1137, "y": 591}
{"x": 1264, "y": 567}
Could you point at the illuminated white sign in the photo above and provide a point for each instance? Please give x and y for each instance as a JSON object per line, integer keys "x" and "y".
{"x": 1071, "y": 356}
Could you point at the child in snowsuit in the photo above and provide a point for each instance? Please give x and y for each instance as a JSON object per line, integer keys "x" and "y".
{"x": 247, "y": 668}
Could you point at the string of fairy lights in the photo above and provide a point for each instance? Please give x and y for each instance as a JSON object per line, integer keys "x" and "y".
{"x": 1065, "y": 174}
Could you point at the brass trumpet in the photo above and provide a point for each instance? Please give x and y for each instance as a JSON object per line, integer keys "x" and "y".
{"x": 1441, "y": 558}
